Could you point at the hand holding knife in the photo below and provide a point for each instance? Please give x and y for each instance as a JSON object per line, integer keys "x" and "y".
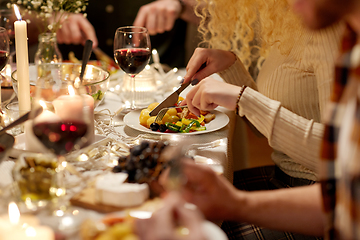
{"x": 173, "y": 98}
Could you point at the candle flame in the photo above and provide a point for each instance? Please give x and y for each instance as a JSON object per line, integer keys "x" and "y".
{"x": 71, "y": 90}
{"x": 8, "y": 70}
{"x": 77, "y": 82}
{"x": 14, "y": 213}
{"x": 88, "y": 73}
{"x": 42, "y": 104}
{"x": 154, "y": 51}
{"x": 30, "y": 232}
{"x": 17, "y": 12}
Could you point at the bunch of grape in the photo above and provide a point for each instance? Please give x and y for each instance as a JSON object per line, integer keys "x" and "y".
{"x": 144, "y": 163}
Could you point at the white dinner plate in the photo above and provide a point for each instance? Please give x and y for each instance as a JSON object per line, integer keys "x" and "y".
{"x": 221, "y": 120}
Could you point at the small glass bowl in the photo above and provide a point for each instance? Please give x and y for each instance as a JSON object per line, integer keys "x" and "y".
{"x": 96, "y": 80}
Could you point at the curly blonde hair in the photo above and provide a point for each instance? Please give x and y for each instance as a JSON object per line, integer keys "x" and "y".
{"x": 248, "y": 27}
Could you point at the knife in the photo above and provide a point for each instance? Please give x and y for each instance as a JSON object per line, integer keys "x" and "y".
{"x": 170, "y": 100}
{"x": 173, "y": 98}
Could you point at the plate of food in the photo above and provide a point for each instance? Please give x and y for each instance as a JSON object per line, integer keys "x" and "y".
{"x": 132, "y": 119}
{"x": 120, "y": 225}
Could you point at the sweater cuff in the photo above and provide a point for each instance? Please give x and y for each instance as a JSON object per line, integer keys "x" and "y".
{"x": 237, "y": 75}
{"x": 261, "y": 111}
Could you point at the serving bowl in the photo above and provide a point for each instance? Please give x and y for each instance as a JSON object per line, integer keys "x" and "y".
{"x": 96, "y": 80}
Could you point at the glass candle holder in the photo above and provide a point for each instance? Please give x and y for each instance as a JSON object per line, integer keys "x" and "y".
{"x": 13, "y": 113}
{"x": 145, "y": 89}
{"x": 38, "y": 178}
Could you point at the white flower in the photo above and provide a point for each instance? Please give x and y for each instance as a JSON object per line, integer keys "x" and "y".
{"x": 46, "y": 10}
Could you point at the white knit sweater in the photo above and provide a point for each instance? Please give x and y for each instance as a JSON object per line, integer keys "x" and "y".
{"x": 289, "y": 97}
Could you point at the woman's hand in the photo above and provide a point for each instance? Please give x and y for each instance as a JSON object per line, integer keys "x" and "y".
{"x": 76, "y": 29}
{"x": 216, "y": 61}
{"x": 164, "y": 223}
{"x": 209, "y": 94}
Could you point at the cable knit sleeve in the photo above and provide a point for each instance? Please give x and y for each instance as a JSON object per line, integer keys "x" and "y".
{"x": 297, "y": 137}
{"x": 236, "y": 74}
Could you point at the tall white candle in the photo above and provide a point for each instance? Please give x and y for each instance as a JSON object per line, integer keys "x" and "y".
{"x": 22, "y": 62}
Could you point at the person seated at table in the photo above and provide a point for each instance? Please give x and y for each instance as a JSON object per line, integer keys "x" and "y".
{"x": 165, "y": 20}
{"x": 287, "y": 101}
{"x": 301, "y": 209}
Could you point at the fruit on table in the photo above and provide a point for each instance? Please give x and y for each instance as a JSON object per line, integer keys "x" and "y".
{"x": 143, "y": 164}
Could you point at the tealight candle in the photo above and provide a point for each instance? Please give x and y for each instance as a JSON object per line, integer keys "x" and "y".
{"x": 22, "y": 227}
{"x": 22, "y": 62}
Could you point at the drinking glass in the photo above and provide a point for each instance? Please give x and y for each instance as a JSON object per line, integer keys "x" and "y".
{"x": 64, "y": 124}
{"x": 132, "y": 51}
{"x": 4, "y": 47}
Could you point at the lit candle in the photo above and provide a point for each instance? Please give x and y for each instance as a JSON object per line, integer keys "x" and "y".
{"x": 71, "y": 107}
{"x": 22, "y": 62}
{"x": 157, "y": 63}
{"x": 16, "y": 227}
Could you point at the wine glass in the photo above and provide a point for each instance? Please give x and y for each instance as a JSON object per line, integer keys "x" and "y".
{"x": 4, "y": 48}
{"x": 132, "y": 51}
{"x": 64, "y": 124}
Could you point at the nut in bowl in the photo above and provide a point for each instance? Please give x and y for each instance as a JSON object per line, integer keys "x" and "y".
{"x": 96, "y": 80}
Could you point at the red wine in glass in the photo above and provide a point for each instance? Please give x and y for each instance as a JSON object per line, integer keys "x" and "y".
{"x": 61, "y": 137}
{"x": 132, "y": 60}
{"x": 132, "y": 53}
{"x": 3, "y": 58}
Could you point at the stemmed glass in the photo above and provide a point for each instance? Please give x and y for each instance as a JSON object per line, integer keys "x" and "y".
{"x": 4, "y": 48}
{"x": 132, "y": 51}
{"x": 65, "y": 121}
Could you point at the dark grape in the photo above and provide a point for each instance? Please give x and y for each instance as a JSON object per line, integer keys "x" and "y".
{"x": 122, "y": 159}
{"x": 162, "y": 128}
{"x": 142, "y": 165}
{"x": 136, "y": 151}
{"x": 117, "y": 169}
{"x": 144, "y": 145}
{"x": 154, "y": 126}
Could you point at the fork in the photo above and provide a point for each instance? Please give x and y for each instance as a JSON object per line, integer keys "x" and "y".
{"x": 162, "y": 112}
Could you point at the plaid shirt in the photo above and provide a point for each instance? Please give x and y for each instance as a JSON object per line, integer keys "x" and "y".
{"x": 340, "y": 154}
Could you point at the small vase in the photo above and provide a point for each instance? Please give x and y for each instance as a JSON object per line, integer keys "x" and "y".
{"x": 48, "y": 51}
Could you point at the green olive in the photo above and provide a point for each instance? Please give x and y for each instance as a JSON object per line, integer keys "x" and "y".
{"x": 173, "y": 118}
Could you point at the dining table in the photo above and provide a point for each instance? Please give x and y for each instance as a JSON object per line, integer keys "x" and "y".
{"x": 213, "y": 148}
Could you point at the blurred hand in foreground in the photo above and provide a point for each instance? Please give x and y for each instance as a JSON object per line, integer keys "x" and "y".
{"x": 167, "y": 222}
{"x": 76, "y": 29}
{"x": 212, "y": 193}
